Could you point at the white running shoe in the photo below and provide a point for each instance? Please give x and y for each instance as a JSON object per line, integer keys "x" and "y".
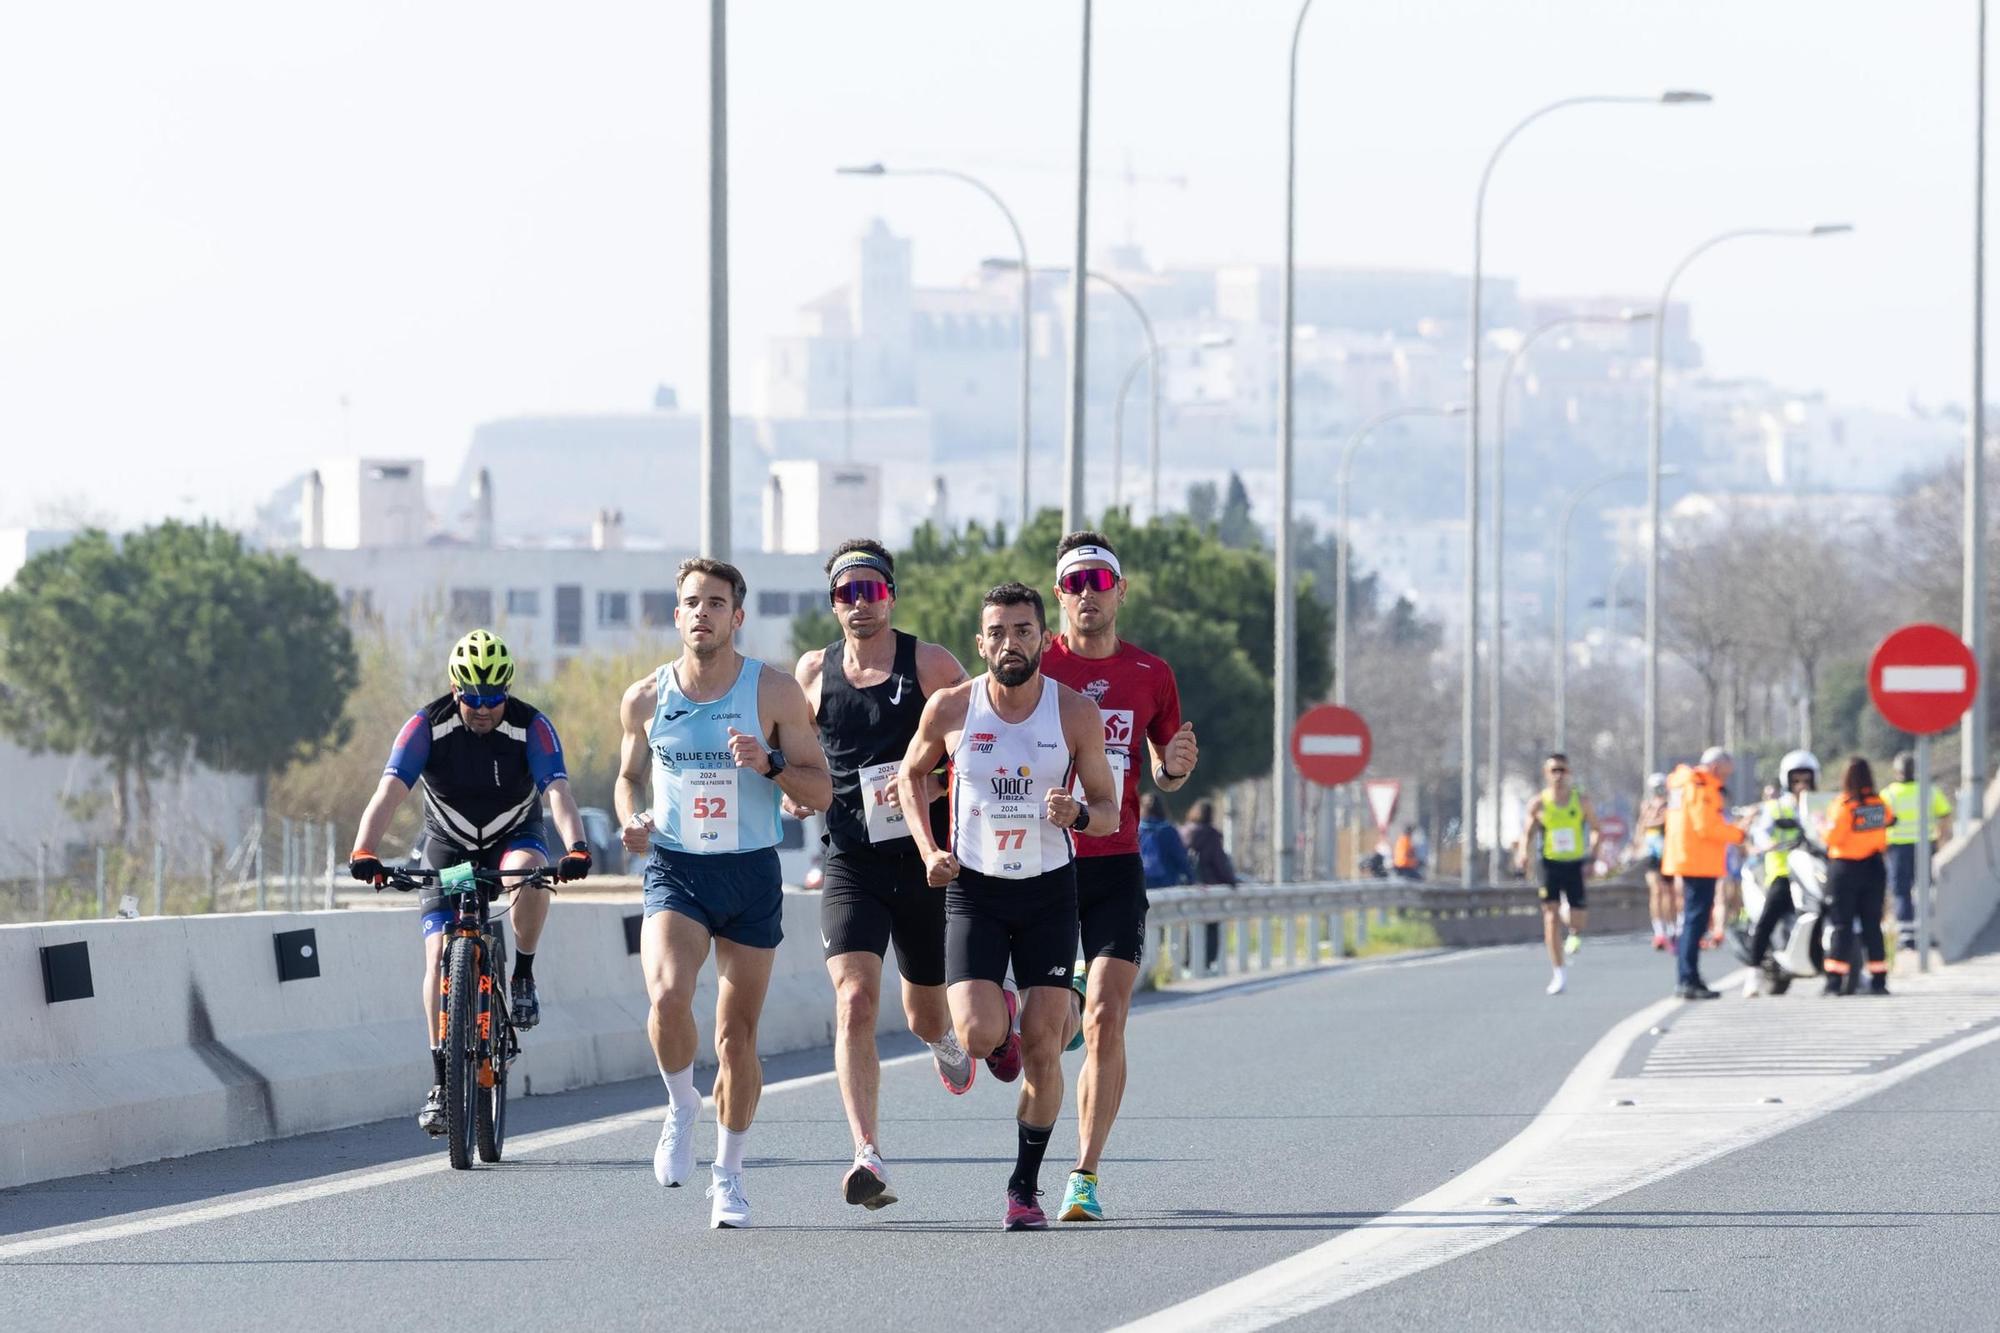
{"x": 954, "y": 1067}
{"x": 673, "y": 1159}
{"x": 867, "y": 1181}
{"x": 1557, "y": 984}
{"x": 729, "y": 1208}
{"x": 1753, "y": 986}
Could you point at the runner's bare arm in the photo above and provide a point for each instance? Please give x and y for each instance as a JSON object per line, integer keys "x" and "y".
{"x": 794, "y": 734}
{"x": 1174, "y": 764}
{"x": 1592, "y": 836}
{"x": 937, "y": 669}
{"x": 808, "y": 673}
{"x": 1083, "y": 729}
{"x": 1528, "y": 832}
{"x": 944, "y": 713}
{"x": 635, "y": 755}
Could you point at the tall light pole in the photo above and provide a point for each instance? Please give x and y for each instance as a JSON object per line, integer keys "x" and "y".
{"x": 1495, "y": 677}
{"x": 1972, "y": 743}
{"x": 1073, "y": 511}
{"x": 1027, "y": 305}
{"x": 1651, "y": 724}
{"x": 1150, "y": 357}
{"x": 1562, "y": 593}
{"x": 1468, "y": 733}
{"x": 1285, "y": 651}
{"x": 1341, "y": 632}
{"x": 715, "y": 421}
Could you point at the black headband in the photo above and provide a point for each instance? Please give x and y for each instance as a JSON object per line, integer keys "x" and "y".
{"x": 859, "y": 560}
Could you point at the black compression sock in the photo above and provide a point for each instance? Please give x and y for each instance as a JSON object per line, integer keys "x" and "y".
{"x": 437, "y": 1062}
{"x": 524, "y": 966}
{"x": 1032, "y": 1143}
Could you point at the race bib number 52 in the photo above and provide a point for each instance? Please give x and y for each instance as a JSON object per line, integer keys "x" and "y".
{"x": 708, "y": 810}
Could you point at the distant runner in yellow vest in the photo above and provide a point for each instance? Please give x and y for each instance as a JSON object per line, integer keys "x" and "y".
{"x": 1562, "y": 831}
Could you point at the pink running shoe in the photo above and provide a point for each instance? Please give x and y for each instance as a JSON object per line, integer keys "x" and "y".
{"x": 1024, "y": 1213}
{"x": 1005, "y": 1061}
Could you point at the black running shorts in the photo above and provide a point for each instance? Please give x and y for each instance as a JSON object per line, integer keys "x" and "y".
{"x": 873, "y": 895}
{"x": 1029, "y": 922}
{"x": 1111, "y": 906}
{"x": 1563, "y": 879}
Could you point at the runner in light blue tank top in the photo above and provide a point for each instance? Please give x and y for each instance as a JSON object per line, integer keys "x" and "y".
{"x": 702, "y": 802}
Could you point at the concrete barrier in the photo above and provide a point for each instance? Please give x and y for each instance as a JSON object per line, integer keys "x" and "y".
{"x": 1967, "y": 881}
{"x": 190, "y": 1041}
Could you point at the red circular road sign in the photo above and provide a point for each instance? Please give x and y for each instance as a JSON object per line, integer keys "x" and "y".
{"x": 1331, "y": 745}
{"x": 1922, "y": 679}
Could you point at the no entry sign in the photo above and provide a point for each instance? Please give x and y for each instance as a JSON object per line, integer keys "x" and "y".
{"x": 1922, "y": 679}
{"x": 1331, "y": 745}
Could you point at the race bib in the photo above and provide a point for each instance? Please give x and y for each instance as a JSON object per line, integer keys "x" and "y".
{"x": 708, "y": 809}
{"x": 1014, "y": 839}
{"x": 885, "y": 820}
{"x": 1563, "y": 841}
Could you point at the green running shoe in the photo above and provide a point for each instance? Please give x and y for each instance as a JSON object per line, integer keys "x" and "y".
{"x": 1077, "y": 983}
{"x": 1080, "y": 1199}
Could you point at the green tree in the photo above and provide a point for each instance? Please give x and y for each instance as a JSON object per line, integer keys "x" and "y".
{"x": 78, "y": 670}
{"x": 176, "y": 646}
{"x": 1237, "y": 529}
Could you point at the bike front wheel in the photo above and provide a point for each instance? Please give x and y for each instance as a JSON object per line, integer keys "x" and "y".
{"x": 461, "y": 1046}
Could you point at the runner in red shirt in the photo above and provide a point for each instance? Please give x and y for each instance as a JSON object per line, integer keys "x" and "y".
{"x": 1141, "y": 704}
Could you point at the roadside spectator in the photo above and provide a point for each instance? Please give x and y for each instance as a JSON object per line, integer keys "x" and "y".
{"x": 1409, "y": 862}
{"x": 1697, "y": 846}
{"x": 1210, "y": 865}
{"x": 1857, "y": 833}
{"x": 1160, "y": 847}
{"x": 1901, "y": 797}
{"x": 1660, "y": 892}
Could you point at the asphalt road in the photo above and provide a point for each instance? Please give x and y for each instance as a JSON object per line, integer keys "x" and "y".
{"x": 1260, "y": 1121}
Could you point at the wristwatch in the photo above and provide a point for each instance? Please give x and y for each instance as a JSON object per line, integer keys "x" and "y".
{"x": 776, "y": 758}
{"x": 1160, "y": 774}
{"x": 1082, "y": 818}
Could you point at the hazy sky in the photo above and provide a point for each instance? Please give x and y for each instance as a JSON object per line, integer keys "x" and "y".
{"x": 220, "y": 218}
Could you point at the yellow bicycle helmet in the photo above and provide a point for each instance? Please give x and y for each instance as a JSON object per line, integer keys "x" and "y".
{"x": 480, "y": 658}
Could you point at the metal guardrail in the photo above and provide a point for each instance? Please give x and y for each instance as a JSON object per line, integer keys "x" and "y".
{"x": 1267, "y": 927}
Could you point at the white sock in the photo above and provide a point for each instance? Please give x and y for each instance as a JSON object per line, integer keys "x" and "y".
{"x": 1558, "y": 976}
{"x": 729, "y": 1148}
{"x": 680, "y": 1089}
{"x": 1659, "y": 926}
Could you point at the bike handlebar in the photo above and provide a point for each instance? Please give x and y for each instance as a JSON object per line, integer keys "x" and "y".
{"x": 403, "y": 881}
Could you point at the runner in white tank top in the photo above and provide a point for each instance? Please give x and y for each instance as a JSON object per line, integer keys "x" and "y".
{"x": 1015, "y": 739}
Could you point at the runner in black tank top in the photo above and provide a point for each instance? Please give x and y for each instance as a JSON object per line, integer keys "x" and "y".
{"x": 868, "y": 691}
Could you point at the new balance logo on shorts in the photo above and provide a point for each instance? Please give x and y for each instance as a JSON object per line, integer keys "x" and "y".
{"x": 1058, "y": 971}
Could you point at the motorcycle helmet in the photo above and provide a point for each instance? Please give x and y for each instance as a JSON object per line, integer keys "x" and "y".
{"x": 1799, "y": 761}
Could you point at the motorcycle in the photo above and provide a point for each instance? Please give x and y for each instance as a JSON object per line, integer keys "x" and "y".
{"x": 1798, "y": 945}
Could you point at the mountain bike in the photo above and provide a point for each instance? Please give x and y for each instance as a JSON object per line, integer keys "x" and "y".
{"x": 480, "y": 1041}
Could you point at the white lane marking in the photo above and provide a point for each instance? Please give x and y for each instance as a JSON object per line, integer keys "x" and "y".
{"x": 556, "y": 1138}
{"x": 374, "y": 1177}
{"x": 1340, "y": 746}
{"x": 1923, "y": 680}
{"x": 1578, "y": 1153}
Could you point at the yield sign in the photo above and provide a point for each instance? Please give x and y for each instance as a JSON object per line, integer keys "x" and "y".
{"x": 1922, "y": 679}
{"x": 1331, "y": 745}
{"x": 1382, "y": 796}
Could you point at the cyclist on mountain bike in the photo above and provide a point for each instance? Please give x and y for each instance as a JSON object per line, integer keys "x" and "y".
{"x": 486, "y": 759}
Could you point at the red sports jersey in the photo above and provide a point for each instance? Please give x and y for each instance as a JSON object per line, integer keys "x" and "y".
{"x": 1140, "y": 701}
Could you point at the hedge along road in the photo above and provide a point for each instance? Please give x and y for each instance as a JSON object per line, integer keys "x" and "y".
{"x": 1260, "y": 1121}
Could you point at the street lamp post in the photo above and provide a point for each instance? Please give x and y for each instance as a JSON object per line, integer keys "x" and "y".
{"x": 1285, "y": 651}
{"x": 1073, "y": 511}
{"x": 1468, "y": 735}
{"x": 1651, "y": 724}
{"x": 714, "y": 530}
{"x": 1027, "y": 304}
{"x": 1972, "y": 743}
{"x": 1562, "y": 595}
{"x": 1495, "y": 678}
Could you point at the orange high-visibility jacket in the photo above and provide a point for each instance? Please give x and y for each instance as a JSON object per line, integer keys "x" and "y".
{"x": 1406, "y": 853}
{"x": 1698, "y": 837}
{"x": 1858, "y": 829}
